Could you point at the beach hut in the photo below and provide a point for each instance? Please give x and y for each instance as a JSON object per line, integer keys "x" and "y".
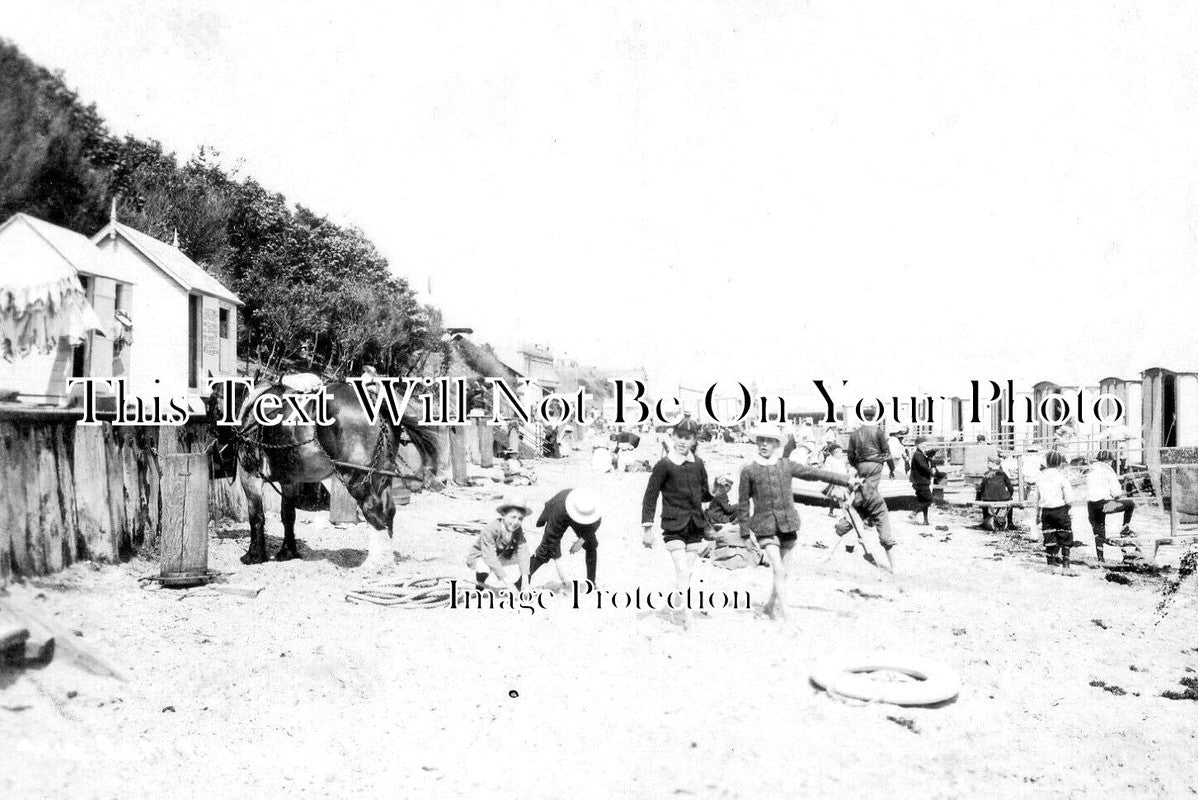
{"x": 185, "y": 320}
{"x": 59, "y": 309}
{"x": 1129, "y": 392}
{"x": 1169, "y": 411}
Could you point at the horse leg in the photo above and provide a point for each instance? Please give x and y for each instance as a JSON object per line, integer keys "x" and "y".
{"x": 381, "y": 554}
{"x": 289, "y": 550}
{"x": 251, "y": 484}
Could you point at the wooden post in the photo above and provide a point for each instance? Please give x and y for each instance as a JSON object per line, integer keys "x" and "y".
{"x": 116, "y": 491}
{"x": 185, "y": 519}
{"x": 63, "y": 441}
{"x": 457, "y": 446}
{"x": 15, "y": 515}
{"x": 49, "y": 503}
{"x": 443, "y": 450}
{"x": 91, "y": 494}
{"x": 33, "y": 510}
{"x": 470, "y": 436}
{"x": 343, "y": 508}
{"x": 486, "y": 444}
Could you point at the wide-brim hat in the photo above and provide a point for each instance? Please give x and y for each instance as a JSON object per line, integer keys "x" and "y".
{"x": 765, "y": 432}
{"x": 508, "y": 503}
{"x": 582, "y": 506}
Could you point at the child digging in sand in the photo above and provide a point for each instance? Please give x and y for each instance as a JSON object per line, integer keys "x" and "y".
{"x": 680, "y": 479}
{"x": 501, "y": 544}
{"x": 767, "y": 508}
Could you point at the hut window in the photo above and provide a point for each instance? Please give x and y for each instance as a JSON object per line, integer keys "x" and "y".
{"x": 224, "y": 323}
{"x": 121, "y": 298}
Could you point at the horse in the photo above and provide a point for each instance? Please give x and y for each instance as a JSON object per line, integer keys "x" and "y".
{"x": 364, "y": 456}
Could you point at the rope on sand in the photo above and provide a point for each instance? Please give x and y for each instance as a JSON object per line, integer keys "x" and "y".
{"x": 411, "y": 593}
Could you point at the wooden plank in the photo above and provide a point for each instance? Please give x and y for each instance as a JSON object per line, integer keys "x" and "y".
{"x": 486, "y": 445}
{"x": 8, "y": 520}
{"x": 49, "y": 503}
{"x": 116, "y": 493}
{"x": 15, "y": 522}
{"x": 457, "y": 454}
{"x": 131, "y": 479}
{"x": 184, "y": 514}
{"x": 63, "y": 448}
{"x": 94, "y": 519}
{"x": 33, "y": 508}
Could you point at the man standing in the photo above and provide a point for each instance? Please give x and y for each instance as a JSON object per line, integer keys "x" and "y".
{"x": 869, "y": 450}
{"x": 569, "y": 509}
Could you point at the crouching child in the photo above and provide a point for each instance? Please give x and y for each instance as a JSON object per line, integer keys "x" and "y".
{"x": 501, "y": 545}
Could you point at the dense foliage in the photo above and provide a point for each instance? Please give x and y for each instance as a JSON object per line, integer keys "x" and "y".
{"x": 318, "y": 296}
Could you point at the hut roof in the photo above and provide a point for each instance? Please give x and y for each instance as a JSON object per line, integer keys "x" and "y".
{"x": 171, "y": 260}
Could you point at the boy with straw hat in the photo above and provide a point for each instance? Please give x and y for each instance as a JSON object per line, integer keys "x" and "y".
{"x": 501, "y": 544}
{"x": 569, "y": 509}
{"x": 768, "y": 515}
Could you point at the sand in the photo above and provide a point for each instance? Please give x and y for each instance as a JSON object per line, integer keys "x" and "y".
{"x": 297, "y": 693}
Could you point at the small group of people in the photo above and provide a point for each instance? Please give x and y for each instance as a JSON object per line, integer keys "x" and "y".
{"x": 765, "y": 511}
{"x": 1105, "y": 495}
{"x": 502, "y": 545}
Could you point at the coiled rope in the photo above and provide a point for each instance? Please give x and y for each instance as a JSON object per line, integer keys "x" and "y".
{"x": 410, "y": 593}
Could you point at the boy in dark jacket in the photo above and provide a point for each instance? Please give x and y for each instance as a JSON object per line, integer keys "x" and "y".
{"x": 680, "y": 479}
{"x": 923, "y": 474}
{"x": 995, "y": 487}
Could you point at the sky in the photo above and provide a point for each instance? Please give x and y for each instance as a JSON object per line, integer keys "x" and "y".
{"x": 907, "y": 196}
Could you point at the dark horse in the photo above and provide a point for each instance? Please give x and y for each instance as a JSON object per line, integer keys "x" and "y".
{"x": 363, "y": 456}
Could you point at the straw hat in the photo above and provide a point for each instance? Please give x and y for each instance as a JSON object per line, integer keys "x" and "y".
{"x": 512, "y": 502}
{"x": 767, "y": 432}
{"x": 582, "y": 506}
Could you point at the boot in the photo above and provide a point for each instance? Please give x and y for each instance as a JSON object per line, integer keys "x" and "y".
{"x": 1051, "y": 554}
{"x": 1065, "y": 559}
{"x": 1098, "y": 552}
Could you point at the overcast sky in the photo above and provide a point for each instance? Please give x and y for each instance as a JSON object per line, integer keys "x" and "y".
{"x": 765, "y": 190}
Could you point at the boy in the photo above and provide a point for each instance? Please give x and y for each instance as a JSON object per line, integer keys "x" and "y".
{"x": 501, "y": 544}
{"x": 1054, "y": 497}
{"x": 995, "y": 487}
{"x": 1105, "y": 495}
{"x": 773, "y": 525}
{"x": 923, "y": 474}
{"x": 680, "y": 479}
{"x": 573, "y": 509}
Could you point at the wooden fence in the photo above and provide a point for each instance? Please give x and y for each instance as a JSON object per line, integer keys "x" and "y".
{"x": 75, "y": 492}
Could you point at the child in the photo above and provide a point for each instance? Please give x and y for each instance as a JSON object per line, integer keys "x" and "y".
{"x": 680, "y": 479}
{"x": 720, "y": 510}
{"x": 836, "y": 462}
{"x": 569, "y": 509}
{"x": 1054, "y": 496}
{"x": 501, "y": 544}
{"x": 923, "y": 474}
{"x": 774, "y": 521}
{"x": 1105, "y": 495}
{"x": 995, "y": 487}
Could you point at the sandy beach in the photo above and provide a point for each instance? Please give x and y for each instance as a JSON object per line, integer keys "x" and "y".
{"x": 298, "y": 692}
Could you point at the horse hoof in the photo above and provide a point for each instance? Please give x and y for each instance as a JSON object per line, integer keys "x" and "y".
{"x": 285, "y": 554}
{"x": 253, "y": 558}
{"x": 376, "y": 565}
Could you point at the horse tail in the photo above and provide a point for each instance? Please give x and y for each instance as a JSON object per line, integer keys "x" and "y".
{"x": 424, "y": 440}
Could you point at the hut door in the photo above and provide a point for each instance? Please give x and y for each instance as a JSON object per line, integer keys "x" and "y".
{"x": 193, "y": 341}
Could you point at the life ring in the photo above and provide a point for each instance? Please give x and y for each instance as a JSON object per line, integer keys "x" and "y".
{"x": 848, "y": 676}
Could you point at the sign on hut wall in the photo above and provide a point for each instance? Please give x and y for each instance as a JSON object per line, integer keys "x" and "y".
{"x": 211, "y": 332}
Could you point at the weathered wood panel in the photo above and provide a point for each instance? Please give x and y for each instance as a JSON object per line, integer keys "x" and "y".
{"x": 184, "y": 535}
{"x": 94, "y": 520}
